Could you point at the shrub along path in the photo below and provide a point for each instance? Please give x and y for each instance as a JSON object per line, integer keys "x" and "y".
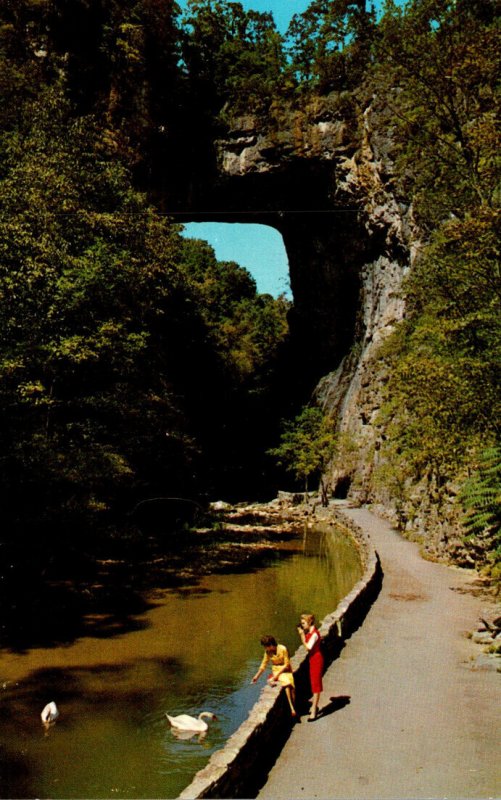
{"x": 409, "y": 712}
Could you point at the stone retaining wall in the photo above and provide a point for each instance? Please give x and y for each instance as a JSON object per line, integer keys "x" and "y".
{"x": 240, "y": 767}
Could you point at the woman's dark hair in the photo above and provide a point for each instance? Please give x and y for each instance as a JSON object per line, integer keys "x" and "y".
{"x": 268, "y": 641}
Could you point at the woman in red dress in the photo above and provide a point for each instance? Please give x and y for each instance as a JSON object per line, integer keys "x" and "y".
{"x": 310, "y": 637}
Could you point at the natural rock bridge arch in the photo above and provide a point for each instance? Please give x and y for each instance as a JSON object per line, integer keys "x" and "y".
{"x": 321, "y": 182}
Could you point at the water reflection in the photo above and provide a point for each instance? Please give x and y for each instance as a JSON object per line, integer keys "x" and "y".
{"x": 193, "y": 650}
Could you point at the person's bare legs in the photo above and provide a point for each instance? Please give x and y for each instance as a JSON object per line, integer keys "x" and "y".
{"x": 314, "y": 706}
{"x": 291, "y": 697}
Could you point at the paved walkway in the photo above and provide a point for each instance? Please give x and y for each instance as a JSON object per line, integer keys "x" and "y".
{"x": 406, "y": 714}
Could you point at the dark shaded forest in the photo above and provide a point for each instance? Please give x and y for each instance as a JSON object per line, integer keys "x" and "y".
{"x": 135, "y": 365}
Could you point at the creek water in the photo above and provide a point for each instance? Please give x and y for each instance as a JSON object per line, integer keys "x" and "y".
{"x": 195, "y": 648}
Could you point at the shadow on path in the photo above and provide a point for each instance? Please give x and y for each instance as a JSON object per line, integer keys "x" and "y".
{"x": 334, "y": 704}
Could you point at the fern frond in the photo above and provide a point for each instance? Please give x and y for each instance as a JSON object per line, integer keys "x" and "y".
{"x": 481, "y": 495}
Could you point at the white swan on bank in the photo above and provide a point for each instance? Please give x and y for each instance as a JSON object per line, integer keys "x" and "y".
{"x": 184, "y": 722}
{"x": 50, "y": 713}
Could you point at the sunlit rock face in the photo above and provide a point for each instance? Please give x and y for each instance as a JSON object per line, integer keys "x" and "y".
{"x": 322, "y": 176}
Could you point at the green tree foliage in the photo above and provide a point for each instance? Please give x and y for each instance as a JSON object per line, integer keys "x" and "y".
{"x": 119, "y": 59}
{"x": 233, "y": 59}
{"x": 330, "y": 44}
{"x": 438, "y": 66}
{"x": 247, "y": 329}
{"x": 22, "y": 58}
{"x": 248, "y": 333}
{"x": 110, "y": 330}
{"x": 87, "y": 278}
{"x": 307, "y": 445}
{"x": 443, "y": 387}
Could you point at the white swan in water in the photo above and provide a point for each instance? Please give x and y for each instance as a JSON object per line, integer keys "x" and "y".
{"x": 184, "y": 722}
{"x": 50, "y": 713}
